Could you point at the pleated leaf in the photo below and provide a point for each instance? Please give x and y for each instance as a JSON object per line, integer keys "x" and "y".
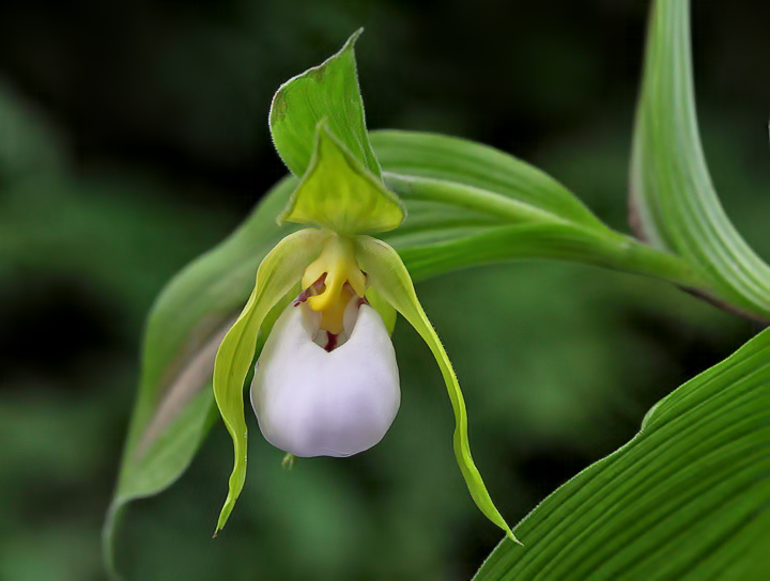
{"x": 175, "y": 403}
{"x": 686, "y": 499}
{"x": 674, "y": 203}
{"x": 469, "y": 204}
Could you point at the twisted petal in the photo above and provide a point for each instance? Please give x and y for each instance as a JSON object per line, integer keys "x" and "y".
{"x": 281, "y": 269}
{"x": 313, "y": 402}
{"x": 388, "y": 275}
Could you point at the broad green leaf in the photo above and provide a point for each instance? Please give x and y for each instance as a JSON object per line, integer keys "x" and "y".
{"x": 451, "y": 159}
{"x": 455, "y": 220}
{"x": 329, "y": 91}
{"x": 675, "y": 206}
{"x": 337, "y": 192}
{"x": 543, "y": 241}
{"x": 278, "y": 273}
{"x": 175, "y": 403}
{"x": 686, "y": 499}
{"x": 389, "y": 276}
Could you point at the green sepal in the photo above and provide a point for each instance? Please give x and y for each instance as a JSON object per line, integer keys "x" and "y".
{"x": 390, "y": 277}
{"x": 337, "y": 192}
{"x": 281, "y": 270}
{"x": 328, "y": 91}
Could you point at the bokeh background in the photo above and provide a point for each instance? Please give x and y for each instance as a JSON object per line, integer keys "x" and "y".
{"x": 133, "y": 137}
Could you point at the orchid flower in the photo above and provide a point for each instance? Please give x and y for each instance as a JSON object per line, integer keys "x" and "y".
{"x": 325, "y": 301}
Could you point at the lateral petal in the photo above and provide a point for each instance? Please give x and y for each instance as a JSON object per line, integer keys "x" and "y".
{"x": 387, "y": 273}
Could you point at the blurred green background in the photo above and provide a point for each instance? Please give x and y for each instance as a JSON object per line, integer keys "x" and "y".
{"x": 133, "y": 136}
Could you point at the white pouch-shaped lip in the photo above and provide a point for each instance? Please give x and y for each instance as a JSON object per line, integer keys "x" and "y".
{"x": 314, "y": 402}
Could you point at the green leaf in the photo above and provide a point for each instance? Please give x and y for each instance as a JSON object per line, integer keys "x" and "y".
{"x": 675, "y": 206}
{"x": 389, "y": 276}
{"x": 281, "y": 270}
{"x": 685, "y": 499}
{"x": 337, "y": 192}
{"x": 469, "y": 204}
{"x": 329, "y": 91}
{"x": 175, "y": 403}
{"x": 451, "y": 159}
{"x": 550, "y": 241}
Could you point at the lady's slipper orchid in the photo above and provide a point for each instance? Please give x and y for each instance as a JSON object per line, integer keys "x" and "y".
{"x": 326, "y": 382}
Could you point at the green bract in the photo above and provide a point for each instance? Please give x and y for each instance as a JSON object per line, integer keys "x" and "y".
{"x": 328, "y": 91}
{"x": 337, "y": 192}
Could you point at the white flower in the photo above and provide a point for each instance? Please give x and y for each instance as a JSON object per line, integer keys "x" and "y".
{"x": 311, "y": 401}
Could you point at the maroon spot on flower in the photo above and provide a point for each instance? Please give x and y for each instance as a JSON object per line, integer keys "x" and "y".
{"x": 331, "y": 342}
{"x": 317, "y": 288}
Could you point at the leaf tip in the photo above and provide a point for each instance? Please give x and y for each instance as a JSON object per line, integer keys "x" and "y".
{"x": 351, "y": 41}
{"x": 108, "y": 540}
{"x": 509, "y": 534}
